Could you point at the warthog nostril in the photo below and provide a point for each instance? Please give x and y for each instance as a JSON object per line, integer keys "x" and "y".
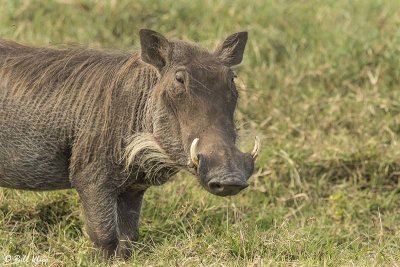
{"x": 215, "y": 186}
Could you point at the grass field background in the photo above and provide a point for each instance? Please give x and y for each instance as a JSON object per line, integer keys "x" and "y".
{"x": 320, "y": 83}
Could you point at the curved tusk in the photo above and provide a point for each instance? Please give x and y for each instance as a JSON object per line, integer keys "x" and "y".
{"x": 193, "y": 152}
{"x": 256, "y": 148}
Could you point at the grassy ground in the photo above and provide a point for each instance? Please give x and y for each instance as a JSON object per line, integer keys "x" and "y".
{"x": 320, "y": 84}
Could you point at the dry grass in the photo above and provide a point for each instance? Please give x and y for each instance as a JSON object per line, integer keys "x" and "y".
{"x": 322, "y": 89}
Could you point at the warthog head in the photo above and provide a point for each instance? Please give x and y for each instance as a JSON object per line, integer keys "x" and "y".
{"x": 193, "y": 109}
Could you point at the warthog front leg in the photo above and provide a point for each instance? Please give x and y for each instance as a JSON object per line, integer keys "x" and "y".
{"x": 112, "y": 219}
{"x": 100, "y": 208}
{"x": 129, "y": 205}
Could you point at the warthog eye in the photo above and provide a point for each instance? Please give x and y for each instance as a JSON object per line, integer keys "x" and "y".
{"x": 179, "y": 77}
{"x": 234, "y": 76}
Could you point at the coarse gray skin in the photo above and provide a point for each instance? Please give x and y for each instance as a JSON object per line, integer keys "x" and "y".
{"x": 111, "y": 124}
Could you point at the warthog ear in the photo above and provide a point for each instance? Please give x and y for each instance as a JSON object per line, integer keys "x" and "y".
{"x": 154, "y": 48}
{"x": 230, "y": 51}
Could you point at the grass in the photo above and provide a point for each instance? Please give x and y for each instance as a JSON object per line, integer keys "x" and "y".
{"x": 319, "y": 82}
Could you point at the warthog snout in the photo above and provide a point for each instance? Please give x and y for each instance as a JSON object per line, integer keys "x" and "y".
{"x": 227, "y": 187}
{"x": 222, "y": 169}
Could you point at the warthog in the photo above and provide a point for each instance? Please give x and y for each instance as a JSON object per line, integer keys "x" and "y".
{"x": 111, "y": 124}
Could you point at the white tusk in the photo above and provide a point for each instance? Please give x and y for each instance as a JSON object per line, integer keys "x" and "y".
{"x": 193, "y": 152}
{"x": 256, "y": 148}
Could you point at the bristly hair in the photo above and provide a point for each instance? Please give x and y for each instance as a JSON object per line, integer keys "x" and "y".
{"x": 144, "y": 151}
{"x": 98, "y": 99}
